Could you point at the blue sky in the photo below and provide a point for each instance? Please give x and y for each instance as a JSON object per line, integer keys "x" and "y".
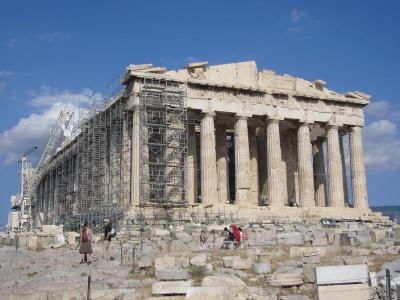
{"x": 54, "y": 52}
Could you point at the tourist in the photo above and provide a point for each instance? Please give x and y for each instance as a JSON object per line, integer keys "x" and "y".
{"x": 85, "y": 248}
{"x": 236, "y": 233}
{"x": 107, "y": 240}
{"x": 203, "y": 240}
{"x": 243, "y": 236}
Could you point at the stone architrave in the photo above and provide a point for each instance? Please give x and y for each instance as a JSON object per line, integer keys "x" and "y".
{"x": 242, "y": 162}
{"x": 274, "y": 164}
{"x": 359, "y": 183}
{"x": 319, "y": 172}
{"x": 254, "y": 184}
{"x": 208, "y": 160}
{"x": 335, "y": 173}
{"x": 306, "y": 182}
{"x": 345, "y": 190}
{"x": 192, "y": 165}
{"x": 222, "y": 165}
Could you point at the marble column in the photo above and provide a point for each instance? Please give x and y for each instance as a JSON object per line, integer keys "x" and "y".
{"x": 358, "y": 180}
{"x": 306, "y": 181}
{"x": 222, "y": 165}
{"x": 192, "y": 165}
{"x": 242, "y": 162}
{"x": 254, "y": 182}
{"x": 262, "y": 163}
{"x": 274, "y": 164}
{"x": 208, "y": 160}
{"x": 319, "y": 172}
{"x": 335, "y": 173}
{"x": 135, "y": 157}
{"x": 345, "y": 190}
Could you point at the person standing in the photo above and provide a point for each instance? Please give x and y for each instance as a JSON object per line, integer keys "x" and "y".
{"x": 85, "y": 238}
{"x": 107, "y": 241}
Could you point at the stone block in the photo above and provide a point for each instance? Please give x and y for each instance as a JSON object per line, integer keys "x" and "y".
{"x": 314, "y": 259}
{"x": 343, "y": 292}
{"x": 71, "y": 237}
{"x": 33, "y": 242}
{"x": 262, "y": 237}
{"x": 182, "y": 261}
{"x": 342, "y": 274}
{"x": 199, "y": 260}
{"x": 307, "y": 251}
{"x": 205, "y": 293}
{"x": 396, "y": 231}
{"x": 171, "y": 287}
{"x": 176, "y": 246}
{"x": 172, "y": 274}
{"x": 290, "y": 238}
{"x": 378, "y": 236}
{"x": 52, "y": 229}
{"x": 145, "y": 261}
{"x": 223, "y": 281}
{"x": 164, "y": 262}
{"x": 161, "y": 233}
{"x": 320, "y": 242}
{"x": 309, "y": 273}
{"x": 261, "y": 268}
{"x": 285, "y": 279}
{"x": 183, "y": 237}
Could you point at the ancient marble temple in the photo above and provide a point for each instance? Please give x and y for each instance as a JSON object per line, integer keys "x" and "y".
{"x": 261, "y": 142}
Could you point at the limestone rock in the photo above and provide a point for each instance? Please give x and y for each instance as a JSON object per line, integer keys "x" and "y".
{"x": 290, "y": 238}
{"x": 171, "y": 287}
{"x": 164, "y": 262}
{"x": 199, "y": 260}
{"x": 183, "y": 237}
{"x": 261, "y": 268}
{"x": 309, "y": 273}
{"x": 206, "y": 293}
{"x": 378, "y": 236}
{"x": 144, "y": 261}
{"x": 285, "y": 279}
{"x": 71, "y": 237}
{"x": 223, "y": 281}
{"x": 172, "y": 274}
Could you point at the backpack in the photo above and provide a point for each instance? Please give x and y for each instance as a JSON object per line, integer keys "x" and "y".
{"x": 113, "y": 232}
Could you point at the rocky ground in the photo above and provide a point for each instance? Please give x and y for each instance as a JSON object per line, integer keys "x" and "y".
{"x": 277, "y": 262}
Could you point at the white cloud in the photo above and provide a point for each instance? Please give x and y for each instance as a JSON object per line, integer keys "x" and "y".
{"x": 296, "y": 15}
{"x": 34, "y": 129}
{"x": 52, "y": 36}
{"x": 11, "y": 43}
{"x": 382, "y": 146}
{"x": 46, "y": 96}
{"x": 2, "y": 86}
{"x": 4, "y": 73}
{"x": 378, "y": 109}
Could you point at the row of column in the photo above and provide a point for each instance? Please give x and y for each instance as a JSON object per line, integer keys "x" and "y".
{"x": 311, "y": 166}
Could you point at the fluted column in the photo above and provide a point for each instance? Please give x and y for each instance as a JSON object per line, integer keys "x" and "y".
{"x": 306, "y": 182}
{"x": 135, "y": 157}
{"x": 254, "y": 182}
{"x": 358, "y": 180}
{"x": 345, "y": 190}
{"x": 192, "y": 165}
{"x": 319, "y": 172}
{"x": 335, "y": 173}
{"x": 222, "y": 165}
{"x": 274, "y": 164}
{"x": 208, "y": 160}
{"x": 242, "y": 162}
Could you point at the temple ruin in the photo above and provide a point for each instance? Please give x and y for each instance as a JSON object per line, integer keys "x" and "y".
{"x": 229, "y": 137}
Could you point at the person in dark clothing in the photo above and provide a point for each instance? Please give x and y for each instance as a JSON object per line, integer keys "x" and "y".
{"x": 107, "y": 241}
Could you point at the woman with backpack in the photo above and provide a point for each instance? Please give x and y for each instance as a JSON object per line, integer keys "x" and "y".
{"x": 85, "y": 239}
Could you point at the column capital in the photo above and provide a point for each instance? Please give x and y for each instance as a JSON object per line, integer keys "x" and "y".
{"x": 274, "y": 117}
{"x": 356, "y": 128}
{"x": 209, "y": 114}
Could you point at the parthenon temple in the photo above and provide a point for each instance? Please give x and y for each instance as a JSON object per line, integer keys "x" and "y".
{"x": 226, "y": 136}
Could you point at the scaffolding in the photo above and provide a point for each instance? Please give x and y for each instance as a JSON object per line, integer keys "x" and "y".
{"x": 163, "y": 142}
